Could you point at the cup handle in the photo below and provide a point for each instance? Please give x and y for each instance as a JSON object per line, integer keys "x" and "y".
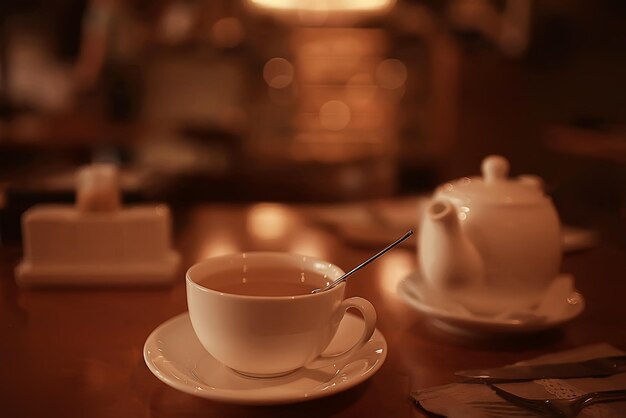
{"x": 369, "y": 316}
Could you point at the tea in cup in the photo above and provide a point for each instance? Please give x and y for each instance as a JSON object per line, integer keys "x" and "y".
{"x": 256, "y": 313}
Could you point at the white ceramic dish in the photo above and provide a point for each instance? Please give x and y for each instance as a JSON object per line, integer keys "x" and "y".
{"x": 173, "y": 354}
{"x": 414, "y": 291}
{"x": 65, "y": 246}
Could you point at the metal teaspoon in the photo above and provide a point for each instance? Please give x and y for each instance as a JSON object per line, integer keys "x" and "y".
{"x": 365, "y": 263}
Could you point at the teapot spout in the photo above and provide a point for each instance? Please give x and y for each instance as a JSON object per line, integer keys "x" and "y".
{"x": 444, "y": 212}
{"x": 448, "y": 260}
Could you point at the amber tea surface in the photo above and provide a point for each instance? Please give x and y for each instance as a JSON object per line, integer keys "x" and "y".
{"x": 265, "y": 282}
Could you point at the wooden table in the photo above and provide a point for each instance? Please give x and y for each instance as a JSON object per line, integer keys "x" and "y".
{"x": 75, "y": 352}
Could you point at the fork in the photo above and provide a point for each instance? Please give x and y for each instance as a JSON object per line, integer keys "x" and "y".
{"x": 568, "y": 408}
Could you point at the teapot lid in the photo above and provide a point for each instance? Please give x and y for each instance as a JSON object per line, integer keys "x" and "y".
{"x": 495, "y": 187}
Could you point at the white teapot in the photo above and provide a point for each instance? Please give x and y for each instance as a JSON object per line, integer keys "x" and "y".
{"x": 491, "y": 243}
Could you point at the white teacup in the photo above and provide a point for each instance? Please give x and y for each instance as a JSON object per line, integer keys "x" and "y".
{"x": 267, "y": 335}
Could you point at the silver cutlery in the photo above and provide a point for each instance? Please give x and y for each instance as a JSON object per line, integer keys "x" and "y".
{"x": 603, "y": 366}
{"x": 567, "y": 408}
{"x": 365, "y": 263}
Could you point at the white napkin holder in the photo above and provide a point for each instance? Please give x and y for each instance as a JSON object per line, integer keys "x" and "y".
{"x": 97, "y": 241}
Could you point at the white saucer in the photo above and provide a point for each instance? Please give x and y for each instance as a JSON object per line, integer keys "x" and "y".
{"x": 413, "y": 290}
{"x": 174, "y": 354}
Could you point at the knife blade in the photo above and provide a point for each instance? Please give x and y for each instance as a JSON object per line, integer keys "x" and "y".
{"x": 597, "y": 367}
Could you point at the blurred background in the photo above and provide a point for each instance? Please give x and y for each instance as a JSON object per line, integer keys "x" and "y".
{"x": 312, "y": 100}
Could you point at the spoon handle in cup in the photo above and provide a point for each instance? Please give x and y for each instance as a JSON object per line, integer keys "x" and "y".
{"x": 365, "y": 263}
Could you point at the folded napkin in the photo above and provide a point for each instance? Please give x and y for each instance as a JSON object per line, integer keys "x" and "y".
{"x": 468, "y": 400}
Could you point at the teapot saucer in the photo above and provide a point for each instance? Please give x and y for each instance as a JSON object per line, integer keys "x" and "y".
{"x": 451, "y": 317}
{"x": 173, "y": 354}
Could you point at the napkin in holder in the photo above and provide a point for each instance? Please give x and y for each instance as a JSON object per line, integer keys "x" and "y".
{"x": 97, "y": 241}
{"x": 468, "y": 400}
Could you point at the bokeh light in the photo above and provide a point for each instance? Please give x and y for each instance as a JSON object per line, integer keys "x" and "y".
{"x": 391, "y": 74}
{"x": 334, "y": 115}
{"x": 227, "y": 32}
{"x": 332, "y": 5}
{"x": 278, "y": 73}
{"x": 268, "y": 221}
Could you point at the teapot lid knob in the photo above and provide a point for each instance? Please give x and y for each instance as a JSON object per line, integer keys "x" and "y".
{"x": 494, "y": 168}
